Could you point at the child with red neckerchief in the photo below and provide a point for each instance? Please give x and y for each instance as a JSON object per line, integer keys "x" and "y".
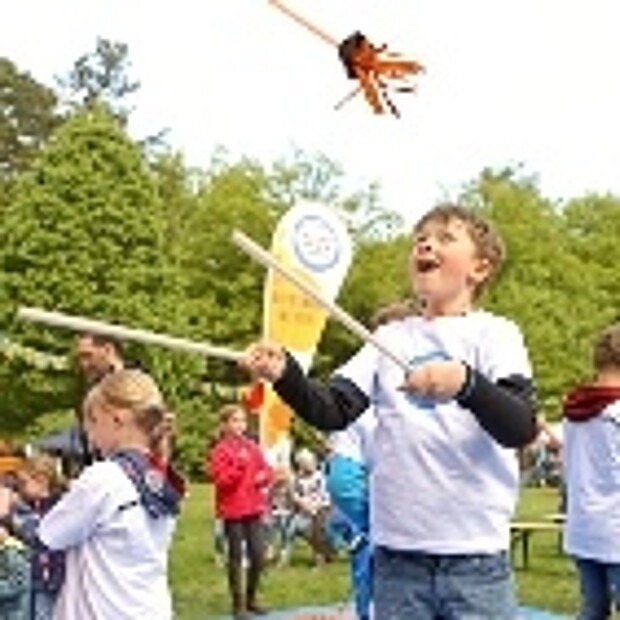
{"x": 592, "y": 477}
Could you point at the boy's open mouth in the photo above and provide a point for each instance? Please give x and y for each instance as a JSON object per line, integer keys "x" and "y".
{"x": 424, "y": 265}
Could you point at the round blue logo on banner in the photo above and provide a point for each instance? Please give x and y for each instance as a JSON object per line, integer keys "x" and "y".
{"x": 315, "y": 243}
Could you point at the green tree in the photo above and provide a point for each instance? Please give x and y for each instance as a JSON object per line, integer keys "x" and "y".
{"x": 175, "y": 185}
{"x": 592, "y": 229}
{"x": 28, "y": 116}
{"x": 84, "y": 234}
{"x": 102, "y": 77}
{"x": 303, "y": 176}
{"x": 224, "y": 286}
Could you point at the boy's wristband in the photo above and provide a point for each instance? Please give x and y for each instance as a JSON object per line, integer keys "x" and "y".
{"x": 468, "y": 384}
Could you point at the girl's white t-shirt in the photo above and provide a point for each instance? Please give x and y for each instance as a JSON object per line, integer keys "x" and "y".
{"x": 439, "y": 483}
{"x": 116, "y": 555}
{"x": 591, "y": 460}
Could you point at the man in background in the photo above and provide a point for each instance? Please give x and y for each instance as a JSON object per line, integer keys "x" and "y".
{"x": 98, "y": 356}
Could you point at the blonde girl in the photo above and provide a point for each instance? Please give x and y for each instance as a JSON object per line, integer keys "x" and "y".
{"x": 116, "y": 521}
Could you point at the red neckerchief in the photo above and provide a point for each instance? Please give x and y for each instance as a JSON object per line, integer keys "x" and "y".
{"x": 588, "y": 401}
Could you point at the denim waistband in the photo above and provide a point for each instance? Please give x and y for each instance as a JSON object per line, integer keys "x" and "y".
{"x": 435, "y": 560}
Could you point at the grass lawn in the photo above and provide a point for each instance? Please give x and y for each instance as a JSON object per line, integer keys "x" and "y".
{"x": 199, "y": 585}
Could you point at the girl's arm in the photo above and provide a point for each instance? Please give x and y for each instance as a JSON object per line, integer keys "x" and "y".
{"x": 78, "y": 513}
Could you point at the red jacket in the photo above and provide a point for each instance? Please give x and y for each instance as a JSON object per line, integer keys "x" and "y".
{"x": 241, "y": 477}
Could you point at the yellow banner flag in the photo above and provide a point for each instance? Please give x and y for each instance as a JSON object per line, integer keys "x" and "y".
{"x": 312, "y": 241}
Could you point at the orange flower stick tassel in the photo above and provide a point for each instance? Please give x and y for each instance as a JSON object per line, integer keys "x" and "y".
{"x": 373, "y": 67}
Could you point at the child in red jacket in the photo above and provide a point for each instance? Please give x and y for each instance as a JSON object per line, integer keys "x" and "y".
{"x": 241, "y": 477}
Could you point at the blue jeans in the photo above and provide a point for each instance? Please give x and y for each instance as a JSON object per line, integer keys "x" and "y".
{"x": 420, "y": 586}
{"x": 600, "y": 586}
{"x": 43, "y": 605}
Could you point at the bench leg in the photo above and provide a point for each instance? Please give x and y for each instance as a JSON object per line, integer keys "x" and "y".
{"x": 525, "y": 548}
{"x": 521, "y": 538}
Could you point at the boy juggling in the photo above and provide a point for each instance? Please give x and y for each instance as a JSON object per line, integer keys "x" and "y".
{"x": 445, "y": 479}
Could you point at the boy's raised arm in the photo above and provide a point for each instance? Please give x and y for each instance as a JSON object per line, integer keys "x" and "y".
{"x": 327, "y": 407}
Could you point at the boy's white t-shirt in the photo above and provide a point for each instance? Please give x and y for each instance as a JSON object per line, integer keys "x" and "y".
{"x": 116, "y": 555}
{"x": 440, "y": 484}
{"x": 591, "y": 460}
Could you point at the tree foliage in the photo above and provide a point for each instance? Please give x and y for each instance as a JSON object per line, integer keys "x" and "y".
{"x": 28, "y": 115}
{"x": 102, "y": 77}
{"x": 83, "y": 235}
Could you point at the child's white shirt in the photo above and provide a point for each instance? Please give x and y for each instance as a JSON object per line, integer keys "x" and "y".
{"x": 440, "y": 484}
{"x": 355, "y": 442}
{"x": 591, "y": 460}
{"x": 117, "y": 556}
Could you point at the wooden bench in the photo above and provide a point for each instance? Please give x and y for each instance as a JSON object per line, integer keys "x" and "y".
{"x": 522, "y": 531}
{"x": 556, "y": 517}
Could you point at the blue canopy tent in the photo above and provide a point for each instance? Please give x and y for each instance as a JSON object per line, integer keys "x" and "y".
{"x": 69, "y": 446}
{"x": 67, "y": 443}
